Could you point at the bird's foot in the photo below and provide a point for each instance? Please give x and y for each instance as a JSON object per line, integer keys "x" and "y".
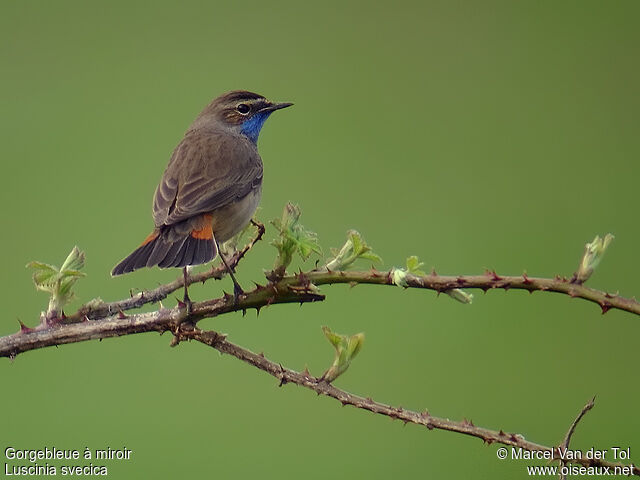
{"x": 188, "y": 304}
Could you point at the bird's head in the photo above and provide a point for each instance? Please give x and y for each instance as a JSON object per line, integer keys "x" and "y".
{"x": 241, "y": 111}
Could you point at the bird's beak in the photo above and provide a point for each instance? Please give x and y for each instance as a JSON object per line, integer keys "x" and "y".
{"x": 275, "y": 106}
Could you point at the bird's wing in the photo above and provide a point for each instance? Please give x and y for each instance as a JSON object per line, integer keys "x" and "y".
{"x": 207, "y": 171}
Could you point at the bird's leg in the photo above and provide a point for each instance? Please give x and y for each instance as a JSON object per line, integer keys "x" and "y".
{"x": 186, "y": 300}
{"x": 237, "y": 289}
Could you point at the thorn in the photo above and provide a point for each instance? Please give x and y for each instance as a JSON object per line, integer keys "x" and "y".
{"x": 303, "y": 280}
{"x": 488, "y": 441}
{"x": 501, "y": 433}
{"x": 374, "y": 273}
{"x": 513, "y": 437}
{"x": 85, "y": 318}
{"x": 244, "y": 312}
{"x": 24, "y": 328}
{"x": 460, "y": 280}
{"x": 121, "y": 315}
{"x": 605, "y": 306}
{"x": 352, "y": 284}
{"x": 525, "y": 279}
{"x": 12, "y": 356}
{"x": 258, "y": 310}
{"x": 62, "y": 316}
{"x": 433, "y": 272}
{"x": 181, "y": 304}
{"x": 493, "y": 276}
{"x": 261, "y": 354}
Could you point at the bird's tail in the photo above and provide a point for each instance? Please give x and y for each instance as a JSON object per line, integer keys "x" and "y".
{"x": 168, "y": 248}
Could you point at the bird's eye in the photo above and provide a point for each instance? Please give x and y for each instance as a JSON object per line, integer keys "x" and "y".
{"x": 243, "y": 108}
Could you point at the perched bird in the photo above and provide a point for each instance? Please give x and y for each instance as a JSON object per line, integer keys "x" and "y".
{"x": 210, "y": 189}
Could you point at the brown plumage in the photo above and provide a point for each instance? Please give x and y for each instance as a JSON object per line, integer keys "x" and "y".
{"x": 211, "y": 187}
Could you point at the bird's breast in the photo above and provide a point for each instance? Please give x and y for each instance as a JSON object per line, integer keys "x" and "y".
{"x": 232, "y": 218}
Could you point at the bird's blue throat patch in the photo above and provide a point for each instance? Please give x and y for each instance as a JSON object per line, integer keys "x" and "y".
{"x": 252, "y": 126}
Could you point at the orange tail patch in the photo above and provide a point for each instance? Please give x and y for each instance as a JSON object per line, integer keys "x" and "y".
{"x": 150, "y": 238}
{"x": 204, "y": 230}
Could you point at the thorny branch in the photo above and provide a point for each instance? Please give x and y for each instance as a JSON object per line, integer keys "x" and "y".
{"x": 425, "y": 419}
{"x": 97, "y": 320}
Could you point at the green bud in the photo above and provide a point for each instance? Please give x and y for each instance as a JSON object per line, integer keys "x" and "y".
{"x": 293, "y": 237}
{"x": 347, "y": 347}
{"x": 460, "y": 295}
{"x": 593, "y": 253}
{"x": 58, "y": 282}
{"x": 354, "y": 248}
{"x": 399, "y": 277}
{"x": 413, "y": 266}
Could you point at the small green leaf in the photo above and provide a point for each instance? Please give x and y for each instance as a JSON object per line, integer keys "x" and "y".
{"x": 332, "y": 337}
{"x": 58, "y": 282}
{"x": 354, "y": 248}
{"x": 293, "y": 238}
{"x": 347, "y": 347}
{"x": 413, "y": 266}
{"x": 74, "y": 261}
{"x": 45, "y": 275}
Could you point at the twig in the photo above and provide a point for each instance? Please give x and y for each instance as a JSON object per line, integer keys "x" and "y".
{"x": 304, "y": 379}
{"x": 109, "y": 320}
{"x": 489, "y": 281}
{"x": 567, "y": 438}
{"x": 159, "y": 321}
{"x": 293, "y": 288}
{"x": 102, "y": 310}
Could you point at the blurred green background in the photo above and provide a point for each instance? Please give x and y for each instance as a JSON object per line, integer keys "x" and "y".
{"x": 474, "y": 134}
